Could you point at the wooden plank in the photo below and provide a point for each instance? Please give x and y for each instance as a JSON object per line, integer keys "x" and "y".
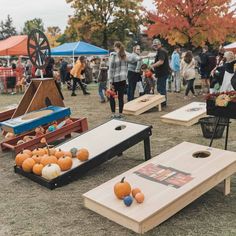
{"x": 169, "y": 181}
{"x": 227, "y": 186}
{"x": 143, "y": 103}
{"x": 186, "y": 115}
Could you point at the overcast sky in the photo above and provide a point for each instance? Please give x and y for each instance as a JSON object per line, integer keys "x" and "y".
{"x": 52, "y": 12}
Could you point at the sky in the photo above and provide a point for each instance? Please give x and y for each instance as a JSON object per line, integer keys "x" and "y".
{"x": 52, "y": 12}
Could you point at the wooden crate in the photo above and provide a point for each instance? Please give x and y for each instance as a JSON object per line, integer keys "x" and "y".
{"x": 169, "y": 182}
{"x": 6, "y": 114}
{"x": 79, "y": 125}
{"x": 187, "y": 115}
{"x": 103, "y": 143}
{"x": 143, "y": 103}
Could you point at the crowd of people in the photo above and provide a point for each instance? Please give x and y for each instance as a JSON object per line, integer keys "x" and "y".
{"x": 123, "y": 73}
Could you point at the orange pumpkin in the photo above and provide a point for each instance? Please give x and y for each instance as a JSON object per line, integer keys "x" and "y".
{"x": 37, "y": 169}
{"x": 65, "y": 163}
{"x": 122, "y": 189}
{"x": 28, "y": 164}
{"x": 48, "y": 160}
{"x": 52, "y": 151}
{"x": 59, "y": 154}
{"x": 20, "y": 158}
{"x": 68, "y": 154}
{"x": 27, "y": 152}
{"x": 139, "y": 197}
{"x": 82, "y": 154}
{"x": 38, "y": 151}
{"x": 37, "y": 158}
{"x": 135, "y": 191}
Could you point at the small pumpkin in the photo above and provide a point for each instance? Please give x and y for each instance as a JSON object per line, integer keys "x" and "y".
{"x": 122, "y": 189}
{"x": 139, "y": 197}
{"x": 68, "y": 154}
{"x": 37, "y": 158}
{"x": 51, "y": 171}
{"x": 27, "y": 151}
{"x": 65, "y": 163}
{"x": 51, "y": 151}
{"x": 59, "y": 154}
{"x": 46, "y": 159}
{"x": 82, "y": 154}
{"x": 135, "y": 191}
{"x": 19, "y": 142}
{"x": 38, "y": 151}
{"x": 37, "y": 169}
{"x": 73, "y": 151}
{"x": 28, "y": 164}
{"x": 20, "y": 158}
{"x": 9, "y": 135}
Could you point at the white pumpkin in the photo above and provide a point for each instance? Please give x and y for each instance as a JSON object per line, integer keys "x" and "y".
{"x": 51, "y": 171}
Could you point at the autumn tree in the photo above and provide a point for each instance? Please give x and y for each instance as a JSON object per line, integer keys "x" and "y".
{"x": 193, "y": 22}
{"x": 53, "y": 33}
{"x": 35, "y": 23}
{"x": 102, "y": 22}
{"x": 6, "y": 28}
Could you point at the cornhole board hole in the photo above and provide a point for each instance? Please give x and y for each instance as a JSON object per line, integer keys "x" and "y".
{"x": 103, "y": 143}
{"x": 186, "y": 115}
{"x": 169, "y": 181}
{"x": 78, "y": 125}
{"x": 41, "y": 93}
{"x": 34, "y": 119}
{"x": 143, "y": 103}
{"x": 7, "y": 112}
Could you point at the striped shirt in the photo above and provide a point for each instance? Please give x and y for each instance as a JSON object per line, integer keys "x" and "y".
{"x": 118, "y": 69}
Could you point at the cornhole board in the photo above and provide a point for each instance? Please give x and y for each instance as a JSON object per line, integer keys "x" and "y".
{"x": 7, "y": 112}
{"x": 41, "y": 93}
{"x": 169, "y": 181}
{"x": 34, "y": 119}
{"x": 143, "y": 103}
{"x": 186, "y": 115}
{"x": 79, "y": 125}
{"x": 103, "y": 143}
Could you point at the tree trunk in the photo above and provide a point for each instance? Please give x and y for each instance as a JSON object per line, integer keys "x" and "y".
{"x": 105, "y": 38}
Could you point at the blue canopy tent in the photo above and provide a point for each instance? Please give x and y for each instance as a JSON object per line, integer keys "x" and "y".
{"x": 77, "y": 49}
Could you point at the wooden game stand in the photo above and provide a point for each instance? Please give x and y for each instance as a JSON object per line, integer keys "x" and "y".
{"x": 40, "y": 93}
{"x": 78, "y": 126}
{"x": 103, "y": 143}
{"x": 6, "y": 114}
{"x": 143, "y": 103}
{"x": 187, "y": 115}
{"x": 169, "y": 182}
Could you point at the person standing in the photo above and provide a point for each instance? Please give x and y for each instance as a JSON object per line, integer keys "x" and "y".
{"x": 133, "y": 73}
{"x": 63, "y": 70}
{"x": 117, "y": 76}
{"x": 76, "y": 75}
{"x": 161, "y": 68}
{"x": 175, "y": 66}
{"x": 188, "y": 72}
{"x": 102, "y": 80}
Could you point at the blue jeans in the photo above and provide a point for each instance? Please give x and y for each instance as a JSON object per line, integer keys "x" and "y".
{"x": 102, "y": 86}
{"x": 161, "y": 86}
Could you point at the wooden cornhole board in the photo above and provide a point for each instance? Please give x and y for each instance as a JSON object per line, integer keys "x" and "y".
{"x": 169, "y": 181}
{"x": 103, "y": 143}
{"x": 143, "y": 103}
{"x": 40, "y": 94}
{"x": 34, "y": 119}
{"x": 186, "y": 115}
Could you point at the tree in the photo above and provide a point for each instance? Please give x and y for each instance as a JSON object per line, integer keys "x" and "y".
{"x": 6, "y": 28}
{"x": 36, "y": 23}
{"x": 53, "y": 33}
{"x": 96, "y": 21}
{"x": 193, "y": 22}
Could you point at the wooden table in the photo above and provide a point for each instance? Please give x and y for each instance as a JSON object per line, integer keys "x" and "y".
{"x": 169, "y": 181}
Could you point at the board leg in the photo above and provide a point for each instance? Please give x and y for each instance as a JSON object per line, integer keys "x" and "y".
{"x": 227, "y": 186}
{"x": 159, "y": 107}
{"x": 147, "y": 149}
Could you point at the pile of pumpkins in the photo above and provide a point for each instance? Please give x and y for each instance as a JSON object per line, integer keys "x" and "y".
{"x": 123, "y": 191}
{"x": 49, "y": 162}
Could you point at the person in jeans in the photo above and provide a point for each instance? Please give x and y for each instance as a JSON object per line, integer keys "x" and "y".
{"x": 117, "y": 76}
{"x": 161, "y": 68}
{"x": 76, "y": 75}
{"x": 175, "y": 66}
{"x": 187, "y": 70}
{"x": 102, "y": 80}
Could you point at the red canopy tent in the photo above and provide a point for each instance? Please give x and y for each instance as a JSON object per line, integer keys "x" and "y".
{"x": 14, "y": 46}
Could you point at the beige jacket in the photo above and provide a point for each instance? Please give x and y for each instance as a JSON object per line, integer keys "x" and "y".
{"x": 188, "y": 71}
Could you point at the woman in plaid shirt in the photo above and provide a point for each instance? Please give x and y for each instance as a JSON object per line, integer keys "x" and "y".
{"x": 117, "y": 76}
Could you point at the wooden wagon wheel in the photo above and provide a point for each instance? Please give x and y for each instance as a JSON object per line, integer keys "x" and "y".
{"x": 38, "y": 49}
